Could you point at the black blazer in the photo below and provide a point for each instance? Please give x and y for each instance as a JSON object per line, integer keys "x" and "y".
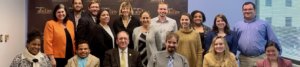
{"x": 72, "y": 17}
{"x": 118, "y": 26}
{"x": 85, "y": 28}
{"x": 99, "y": 42}
{"x": 112, "y": 58}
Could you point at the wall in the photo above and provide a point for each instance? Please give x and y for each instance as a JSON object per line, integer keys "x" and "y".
{"x": 13, "y": 27}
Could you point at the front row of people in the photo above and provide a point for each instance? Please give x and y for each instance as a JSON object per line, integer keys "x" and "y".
{"x": 218, "y": 55}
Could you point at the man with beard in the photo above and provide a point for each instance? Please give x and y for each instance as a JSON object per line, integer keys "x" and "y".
{"x": 83, "y": 57}
{"x": 77, "y": 12}
{"x": 169, "y": 57}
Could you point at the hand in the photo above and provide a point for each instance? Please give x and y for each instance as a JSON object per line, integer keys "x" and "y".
{"x": 53, "y": 62}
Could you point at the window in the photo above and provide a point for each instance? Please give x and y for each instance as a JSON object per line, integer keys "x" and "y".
{"x": 288, "y": 21}
{"x": 288, "y": 3}
{"x": 268, "y": 2}
{"x": 269, "y": 19}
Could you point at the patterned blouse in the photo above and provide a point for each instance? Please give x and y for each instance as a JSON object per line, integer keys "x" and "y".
{"x": 21, "y": 61}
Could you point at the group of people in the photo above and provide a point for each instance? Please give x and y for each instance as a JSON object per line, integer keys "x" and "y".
{"x": 86, "y": 39}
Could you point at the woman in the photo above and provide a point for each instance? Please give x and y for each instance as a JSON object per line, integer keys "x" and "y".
{"x": 59, "y": 37}
{"x": 32, "y": 56}
{"x": 126, "y": 22}
{"x": 189, "y": 44}
{"x": 221, "y": 28}
{"x": 198, "y": 18}
{"x": 273, "y": 58}
{"x": 219, "y": 55}
{"x": 141, "y": 36}
{"x": 103, "y": 36}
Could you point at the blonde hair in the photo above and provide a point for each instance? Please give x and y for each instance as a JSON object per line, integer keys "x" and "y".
{"x": 123, "y": 5}
{"x": 229, "y": 61}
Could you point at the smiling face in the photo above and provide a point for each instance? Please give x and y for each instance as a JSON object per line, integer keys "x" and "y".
{"x": 145, "y": 19}
{"x": 77, "y": 5}
{"x": 60, "y": 14}
{"x": 125, "y": 11}
{"x": 162, "y": 10}
{"x": 94, "y": 8}
{"x": 184, "y": 21}
{"x": 122, "y": 40}
{"x": 249, "y": 11}
{"x": 34, "y": 46}
{"x": 198, "y": 18}
{"x": 104, "y": 17}
{"x": 272, "y": 53}
{"x": 83, "y": 50}
{"x": 220, "y": 23}
{"x": 219, "y": 46}
{"x": 171, "y": 45}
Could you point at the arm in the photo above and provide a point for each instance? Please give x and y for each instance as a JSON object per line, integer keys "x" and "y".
{"x": 48, "y": 38}
{"x": 234, "y": 45}
{"x": 199, "y": 51}
{"x": 205, "y": 64}
{"x": 16, "y": 61}
{"x": 272, "y": 37}
{"x": 107, "y": 60}
{"x": 152, "y": 61}
{"x": 82, "y": 29}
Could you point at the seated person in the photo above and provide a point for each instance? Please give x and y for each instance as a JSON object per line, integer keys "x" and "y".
{"x": 122, "y": 56}
{"x": 169, "y": 57}
{"x": 219, "y": 54}
{"x": 273, "y": 58}
{"x": 83, "y": 58}
{"x": 32, "y": 56}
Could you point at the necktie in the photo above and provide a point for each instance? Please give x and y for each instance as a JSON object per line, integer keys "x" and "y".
{"x": 123, "y": 61}
{"x": 170, "y": 63}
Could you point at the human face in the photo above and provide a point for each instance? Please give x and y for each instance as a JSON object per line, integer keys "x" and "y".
{"x": 162, "y": 10}
{"x": 272, "y": 53}
{"x": 77, "y": 5}
{"x": 220, "y": 23}
{"x": 94, "y": 8}
{"x": 198, "y": 18}
{"x": 171, "y": 45}
{"x": 248, "y": 11}
{"x": 125, "y": 11}
{"x": 219, "y": 46}
{"x": 104, "y": 17}
{"x": 61, "y": 14}
{"x": 145, "y": 19}
{"x": 34, "y": 46}
{"x": 122, "y": 40}
{"x": 83, "y": 50}
{"x": 185, "y": 21}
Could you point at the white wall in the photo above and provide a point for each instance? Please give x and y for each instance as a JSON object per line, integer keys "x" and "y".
{"x": 13, "y": 23}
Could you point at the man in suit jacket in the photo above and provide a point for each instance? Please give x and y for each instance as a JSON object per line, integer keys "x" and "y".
{"x": 122, "y": 56}
{"x": 77, "y": 12}
{"x": 83, "y": 57}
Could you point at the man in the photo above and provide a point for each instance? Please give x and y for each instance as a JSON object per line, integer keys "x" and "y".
{"x": 86, "y": 24}
{"x": 168, "y": 58}
{"x": 83, "y": 57}
{"x": 122, "y": 56}
{"x": 252, "y": 35}
{"x": 77, "y": 12}
{"x": 163, "y": 24}
{"x": 86, "y": 31}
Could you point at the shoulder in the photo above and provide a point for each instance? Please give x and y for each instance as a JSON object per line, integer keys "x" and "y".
{"x": 132, "y": 51}
{"x": 287, "y": 62}
{"x": 110, "y": 51}
{"x": 260, "y": 63}
{"x": 50, "y": 22}
{"x": 208, "y": 55}
{"x": 93, "y": 57}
